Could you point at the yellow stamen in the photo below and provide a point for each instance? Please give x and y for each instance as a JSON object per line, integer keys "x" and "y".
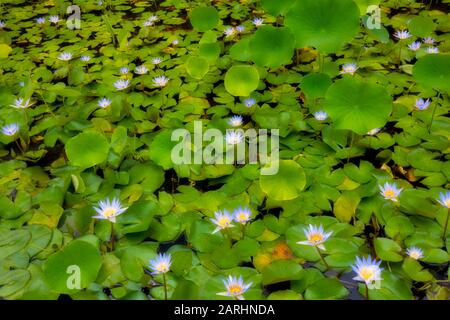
{"x": 109, "y": 212}
{"x": 162, "y": 267}
{"x": 366, "y": 273}
{"x": 389, "y": 193}
{"x": 223, "y": 222}
{"x": 316, "y": 237}
{"x": 235, "y": 289}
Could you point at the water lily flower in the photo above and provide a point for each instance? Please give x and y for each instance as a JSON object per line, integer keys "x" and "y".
{"x": 401, "y": 35}
{"x": 156, "y": 60}
{"x": 444, "y": 199}
{"x": 428, "y": 40}
{"x": 153, "y": 18}
{"x": 422, "y": 104}
{"x": 124, "y": 70}
{"x": 315, "y": 236}
{"x": 242, "y": 215}
{"x": 2, "y": 24}
{"x": 148, "y": 23}
{"x": 160, "y": 81}
{"x": 40, "y": 20}
{"x": 349, "y": 68}
{"x": 104, "y": 103}
{"x": 415, "y": 46}
{"x": 21, "y": 103}
{"x": 373, "y": 131}
{"x": 229, "y": 31}
{"x": 389, "y": 191}
{"x": 109, "y": 210}
{"x": 235, "y": 121}
{"x": 234, "y": 137}
{"x": 240, "y": 29}
{"x": 161, "y": 264}
{"x": 222, "y": 220}
{"x": 432, "y": 50}
{"x": 249, "y": 102}
{"x": 235, "y": 287}
{"x": 10, "y": 129}
{"x": 415, "y": 253}
{"x": 367, "y": 270}
{"x": 121, "y": 84}
{"x": 320, "y": 115}
{"x": 65, "y": 56}
{"x": 141, "y": 70}
{"x": 85, "y": 58}
{"x": 258, "y": 22}
{"x": 53, "y": 19}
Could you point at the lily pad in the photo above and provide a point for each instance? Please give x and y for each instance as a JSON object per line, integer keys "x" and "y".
{"x": 323, "y": 24}
{"x": 357, "y": 106}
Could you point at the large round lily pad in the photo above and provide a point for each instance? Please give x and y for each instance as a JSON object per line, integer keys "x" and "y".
{"x": 241, "y": 80}
{"x": 87, "y": 149}
{"x": 204, "y": 18}
{"x": 433, "y": 71}
{"x": 73, "y": 268}
{"x": 323, "y": 24}
{"x": 357, "y": 106}
{"x": 197, "y": 67}
{"x": 271, "y": 46}
{"x": 286, "y": 184}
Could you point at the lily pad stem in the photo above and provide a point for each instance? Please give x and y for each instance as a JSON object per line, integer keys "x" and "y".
{"x": 322, "y": 258}
{"x": 444, "y": 234}
{"x": 165, "y": 286}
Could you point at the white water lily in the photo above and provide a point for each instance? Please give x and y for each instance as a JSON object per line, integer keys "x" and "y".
{"x": 156, "y": 60}
{"x": 320, "y": 115}
{"x": 104, "y": 103}
{"x": 315, "y": 236}
{"x": 65, "y": 56}
{"x": 234, "y": 137}
{"x": 21, "y": 103}
{"x": 10, "y": 129}
{"x": 415, "y": 253}
{"x": 160, "y": 81}
{"x": 109, "y": 210}
{"x": 389, "y": 191}
{"x": 235, "y": 287}
{"x": 161, "y": 264}
{"x": 367, "y": 270}
{"x": 235, "y": 121}
{"x": 141, "y": 70}
{"x": 121, "y": 84}
{"x": 222, "y": 220}
{"x": 54, "y": 19}
{"x": 258, "y": 22}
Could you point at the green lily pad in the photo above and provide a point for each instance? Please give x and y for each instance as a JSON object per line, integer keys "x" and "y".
{"x": 357, "y": 106}
{"x": 78, "y": 258}
{"x": 204, "y": 18}
{"x": 323, "y": 24}
{"x": 433, "y": 71}
{"x": 326, "y": 289}
{"x": 241, "y": 80}
{"x": 87, "y": 149}
{"x": 286, "y": 184}
{"x": 271, "y": 47}
{"x": 197, "y": 67}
